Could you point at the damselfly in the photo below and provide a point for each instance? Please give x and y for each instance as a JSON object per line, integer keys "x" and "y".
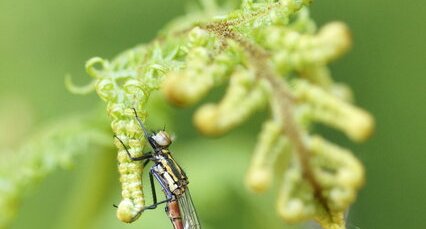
{"x": 171, "y": 178}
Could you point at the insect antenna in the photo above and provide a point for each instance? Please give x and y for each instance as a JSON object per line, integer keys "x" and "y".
{"x": 145, "y": 132}
{"x": 141, "y": 124}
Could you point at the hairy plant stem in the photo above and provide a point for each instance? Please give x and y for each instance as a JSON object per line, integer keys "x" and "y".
{"x": 258, "y": 58}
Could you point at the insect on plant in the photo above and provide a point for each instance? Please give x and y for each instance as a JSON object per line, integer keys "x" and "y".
{"x": 170, "y": 176}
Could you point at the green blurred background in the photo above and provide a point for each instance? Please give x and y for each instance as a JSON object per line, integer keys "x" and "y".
{"x": 41, "y": 41}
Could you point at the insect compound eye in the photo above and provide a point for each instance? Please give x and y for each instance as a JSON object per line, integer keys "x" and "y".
{"x": 162, "y": 138}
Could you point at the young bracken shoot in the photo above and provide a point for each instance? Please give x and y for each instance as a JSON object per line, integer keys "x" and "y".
{"x": 171, "y": 178}
{"x": 271, "y": 55}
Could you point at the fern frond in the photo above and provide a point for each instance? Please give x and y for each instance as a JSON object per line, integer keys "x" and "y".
{"x": 271, "y": 55}
{"x": 54, "y": 146}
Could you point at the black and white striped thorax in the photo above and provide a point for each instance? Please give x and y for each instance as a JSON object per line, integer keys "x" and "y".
{"x": 171, "y": 174}
{"x": 174, "y": 182}
{"x": 166, "y": 170}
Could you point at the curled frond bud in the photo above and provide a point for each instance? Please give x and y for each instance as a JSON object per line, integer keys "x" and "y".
{"x": 244, "y": 95}
{"x": 270, "y": 145}
{"x": 328, "y": 109}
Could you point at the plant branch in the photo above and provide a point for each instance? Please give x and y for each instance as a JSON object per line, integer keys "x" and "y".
{"x": 258, "y": 57}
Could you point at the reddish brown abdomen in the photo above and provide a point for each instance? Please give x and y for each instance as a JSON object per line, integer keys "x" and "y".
{"x": 174, "y": 214}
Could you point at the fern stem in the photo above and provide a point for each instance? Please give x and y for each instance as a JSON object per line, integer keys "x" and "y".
{"x": 281, "y": 93}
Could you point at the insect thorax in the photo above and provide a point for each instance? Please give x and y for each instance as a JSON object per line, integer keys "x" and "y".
{"x": 171, "y": 173}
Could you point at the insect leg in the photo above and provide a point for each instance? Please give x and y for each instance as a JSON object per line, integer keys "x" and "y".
{"x": 146, "y": 162}
{"x": 169, "y": 195}
{"x": 154, "y": 194}
{"x": 143, "y": 157}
